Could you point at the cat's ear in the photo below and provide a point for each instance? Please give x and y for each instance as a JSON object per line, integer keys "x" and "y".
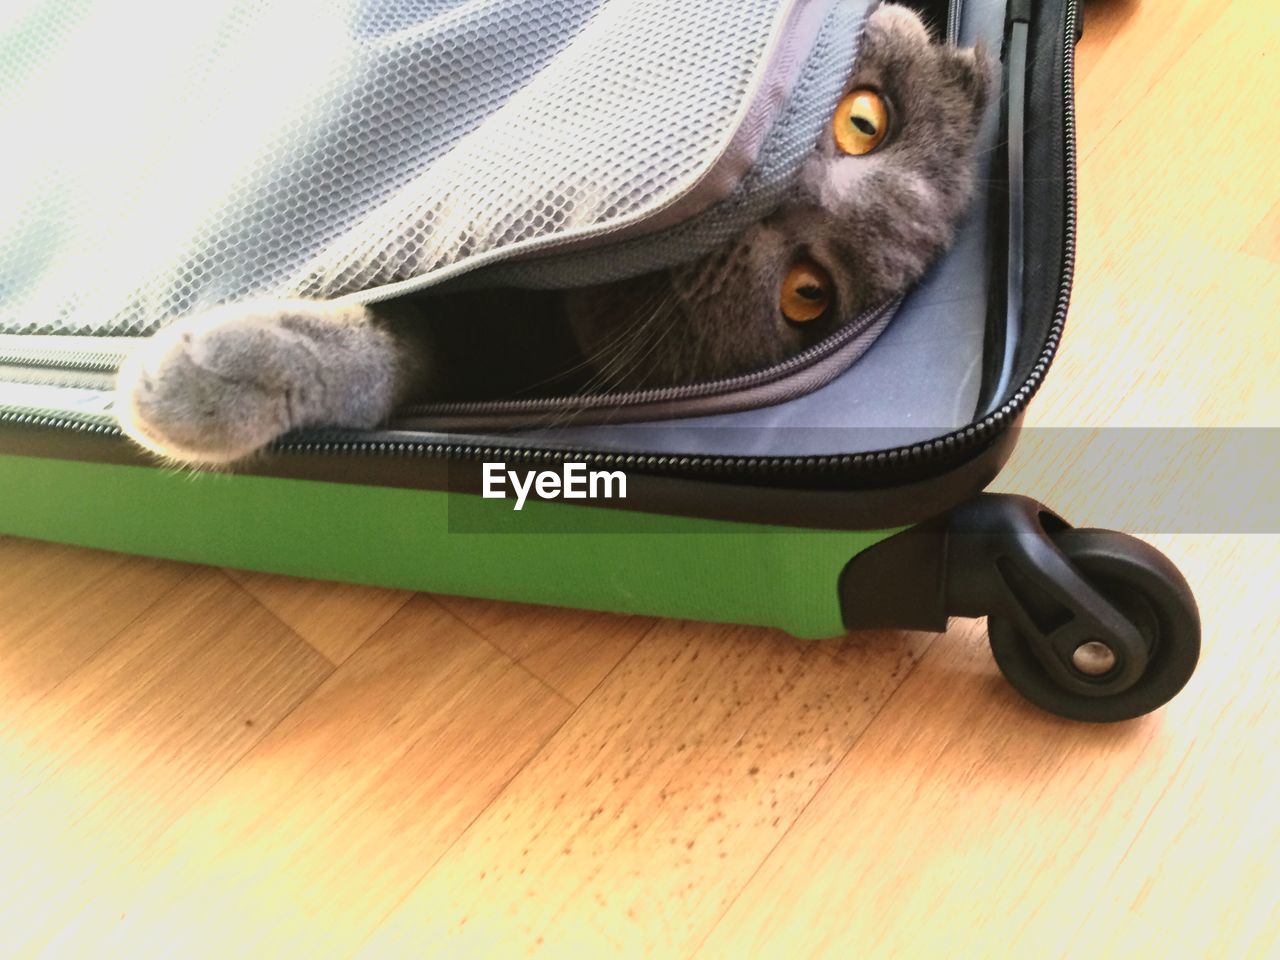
{"x": 973, "y": 71}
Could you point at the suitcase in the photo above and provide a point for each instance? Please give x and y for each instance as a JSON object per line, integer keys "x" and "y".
{"x": 835, "y": 491}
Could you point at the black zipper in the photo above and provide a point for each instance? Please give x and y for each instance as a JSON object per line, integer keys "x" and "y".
{"x": 953, "y": 21}
{"x": 951, "y": 448}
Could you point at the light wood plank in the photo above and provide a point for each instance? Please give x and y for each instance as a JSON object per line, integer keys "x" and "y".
{"x": 117, "y": 752}
{"x": 325, "y": 826}
{"x": 335, "y": 618}
{"x": 1194, "y": 174}
{"x": 570, "y": 650}
{"x": 1169, "y": 323}
{"x": 1265, "y": 240}
{"x": 1129, "y": 47}
{"x": 1203, "y": 867}
{"x": 966, "y": 818}
{"x": 636, "y": 825}
{"x": 60, "y": 606}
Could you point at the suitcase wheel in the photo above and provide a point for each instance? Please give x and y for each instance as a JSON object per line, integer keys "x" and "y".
{"x": 1149, "y": 592}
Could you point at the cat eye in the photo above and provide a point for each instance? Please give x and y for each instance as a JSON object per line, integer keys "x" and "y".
{"x": 806, "y": 292}
{"x": 861, "y": 122}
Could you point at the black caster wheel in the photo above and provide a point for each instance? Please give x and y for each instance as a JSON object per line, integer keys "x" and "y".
{"x": 1148, "y": 589}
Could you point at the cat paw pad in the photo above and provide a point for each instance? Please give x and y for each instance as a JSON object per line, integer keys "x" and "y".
{"x": 217, "y": 387}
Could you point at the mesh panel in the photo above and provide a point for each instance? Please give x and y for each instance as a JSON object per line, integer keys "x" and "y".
{"x": 782, "y": 154}
{"x": 176, "y": 156}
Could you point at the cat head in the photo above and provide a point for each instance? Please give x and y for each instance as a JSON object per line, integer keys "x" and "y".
{"x": 873, "y": 207}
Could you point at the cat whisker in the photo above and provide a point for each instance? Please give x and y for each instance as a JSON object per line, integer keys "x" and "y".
{"x": 666, "y": 332}
{"x": 612, "y": 376}
{"x": 585, "y": 363}
{"x": 625, "y": 350}
{"x": 656, "y": 308}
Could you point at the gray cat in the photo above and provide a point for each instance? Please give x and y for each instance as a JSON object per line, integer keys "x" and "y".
{"x": 877, "y": 202}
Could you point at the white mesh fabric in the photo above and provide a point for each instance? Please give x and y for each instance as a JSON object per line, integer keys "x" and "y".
{"x": 162, "y": 157}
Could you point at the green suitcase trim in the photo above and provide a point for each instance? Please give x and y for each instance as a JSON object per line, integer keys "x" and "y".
{"x": 549, "y": 552}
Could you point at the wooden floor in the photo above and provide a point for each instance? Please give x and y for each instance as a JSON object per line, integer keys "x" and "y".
{"x": 205, "y": 763}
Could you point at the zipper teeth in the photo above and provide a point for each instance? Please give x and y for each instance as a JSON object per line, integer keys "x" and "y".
{"x": 75, "y": 422}
{"x": 948, "y": 445}
{"x": 613, "y": 401}
{"x": 88, "y": 362}
{"x": 953, "y": 20}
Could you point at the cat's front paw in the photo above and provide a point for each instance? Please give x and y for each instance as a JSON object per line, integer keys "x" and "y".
{"x": 217, "y": 387}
